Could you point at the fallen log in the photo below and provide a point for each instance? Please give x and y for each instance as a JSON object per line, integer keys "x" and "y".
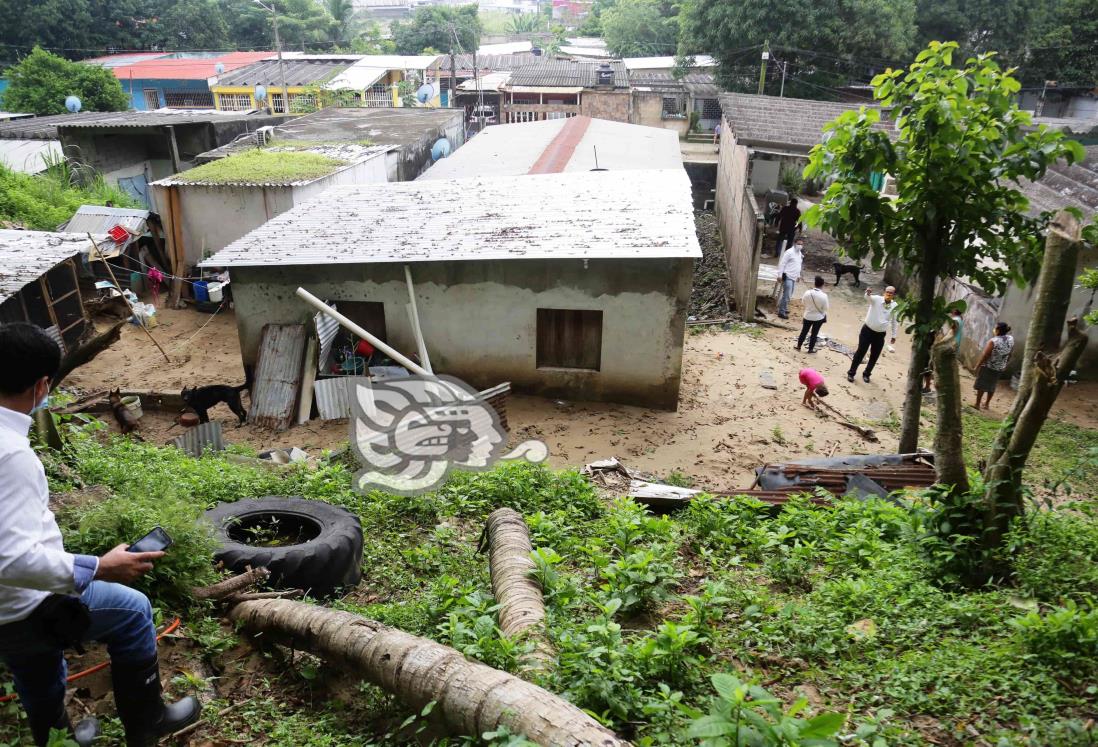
{"x": 867, "y": 433}
{"x": 233, "y": 585}
{"x": 86, "y": 352}
{"x": 521, "y": 607}
{"x": 471, "y": 698}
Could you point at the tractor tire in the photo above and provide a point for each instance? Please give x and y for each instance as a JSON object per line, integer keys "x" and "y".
{"x": 319, "y": 552}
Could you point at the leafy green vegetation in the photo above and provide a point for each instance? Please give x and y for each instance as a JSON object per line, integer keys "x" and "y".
{"x": 261, "y": 166}
{"x": 824, "y": 624}
{"x": 44, "y": 201}
{"x": 42, "y": 81}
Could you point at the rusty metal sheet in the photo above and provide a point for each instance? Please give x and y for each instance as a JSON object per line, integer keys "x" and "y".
{"x": 200, "y": 438}
{"x": 333, "y": 396}
{"x": 277, "y": 376}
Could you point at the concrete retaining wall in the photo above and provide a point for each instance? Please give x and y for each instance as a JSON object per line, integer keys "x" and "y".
{"x": 741, "y": 222}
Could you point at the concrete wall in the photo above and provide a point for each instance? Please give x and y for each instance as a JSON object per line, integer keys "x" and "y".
{"x": 479, "y": 318}
{"x": 613, "y": 105}
{"x": 212, "y": 217}
{"x": 980, "y": 318}
{"x": 648, "y": 110}
{"x": 740, "y": 220}
{"x": 412, "y": 159}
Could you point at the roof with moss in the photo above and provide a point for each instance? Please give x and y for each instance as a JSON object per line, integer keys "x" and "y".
{"x": 278, "y": 165}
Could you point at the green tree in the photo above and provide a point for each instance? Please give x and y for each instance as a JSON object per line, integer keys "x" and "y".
{"x": 1005, "y": 26}
{"x": 343, "y": 17}
{"x": 41, "y": 82}
{"x": 192, "y": 24}
{"x": 822, "y": 43}
{"x": 635, "y": 28}
{"x": 1067, "y": 51}
{"x": 961, "y": 148}
{"x": 450, "y": 29}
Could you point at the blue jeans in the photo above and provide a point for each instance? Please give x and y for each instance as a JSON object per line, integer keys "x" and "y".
{"x": 787, "y": 293}
{"x": 120, "y": 617}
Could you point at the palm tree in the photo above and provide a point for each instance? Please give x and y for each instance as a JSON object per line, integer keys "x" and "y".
{"x": 343, "y": 17}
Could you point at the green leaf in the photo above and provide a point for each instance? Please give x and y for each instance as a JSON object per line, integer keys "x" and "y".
{"x": 707, "y": 727}
{"x": 822, "y": 726}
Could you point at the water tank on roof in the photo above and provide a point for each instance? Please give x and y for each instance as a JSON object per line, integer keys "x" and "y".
{"x": 605, "y": 75}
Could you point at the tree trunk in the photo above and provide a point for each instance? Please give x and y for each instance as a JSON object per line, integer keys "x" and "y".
{"x": 920, "y": 349}
{"x": 521, "y": 608}
{"x": 1052, "y": 294}
{"x": 949, "y": 460}
{"x": 472, "y": 698}
{"x": 1041, "y": 382}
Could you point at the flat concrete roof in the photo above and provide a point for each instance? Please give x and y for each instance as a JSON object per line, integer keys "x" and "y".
{"x": 513, "y": 149}
{"x": 627, "y": 215}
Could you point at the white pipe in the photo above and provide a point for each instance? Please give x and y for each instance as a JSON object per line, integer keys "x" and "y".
{"x": 319, "y": 305}
{"x": 416, "y": 330}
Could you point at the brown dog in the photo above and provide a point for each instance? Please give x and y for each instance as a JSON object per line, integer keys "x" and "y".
{"x": 127, "y": 421}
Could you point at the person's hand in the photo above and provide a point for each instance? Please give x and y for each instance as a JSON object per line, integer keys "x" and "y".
{"x": 124, "y": 567}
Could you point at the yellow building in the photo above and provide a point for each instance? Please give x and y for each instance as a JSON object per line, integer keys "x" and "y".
{"x": 317, "y": 81}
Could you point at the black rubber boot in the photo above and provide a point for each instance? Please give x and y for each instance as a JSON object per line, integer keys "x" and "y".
{"x": 84, "y": 734}
{"x": 139, "y": 698}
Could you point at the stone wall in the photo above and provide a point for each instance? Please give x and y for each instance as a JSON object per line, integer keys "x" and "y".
{"x": 740, "y": 220}
{"x": 612, "y": 105}
{"x": 648, "y": 111}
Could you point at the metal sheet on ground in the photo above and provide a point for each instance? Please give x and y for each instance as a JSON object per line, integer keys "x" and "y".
{"x": 333, "y": 396}
{"x": 277, "y": 376}
{"x": 203, "y": 436}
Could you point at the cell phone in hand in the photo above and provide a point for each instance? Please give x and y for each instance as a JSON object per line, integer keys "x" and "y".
{"x": 154, "y": 541}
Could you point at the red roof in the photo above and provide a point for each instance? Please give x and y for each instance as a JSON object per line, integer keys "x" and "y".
{"x": 187, "y": 68}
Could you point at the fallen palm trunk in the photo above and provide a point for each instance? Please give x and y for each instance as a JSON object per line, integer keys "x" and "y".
{"x": 521, "y": 607}
{"x": 471, "y": 698}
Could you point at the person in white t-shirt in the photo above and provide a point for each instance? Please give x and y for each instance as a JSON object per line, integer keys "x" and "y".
{"x": 879, "y": 320}
{"x": 789, "y": 269}
{"x": 815, "y": 314}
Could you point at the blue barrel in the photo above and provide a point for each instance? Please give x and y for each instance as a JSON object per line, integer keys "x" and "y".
{"x": 201, "y": 294}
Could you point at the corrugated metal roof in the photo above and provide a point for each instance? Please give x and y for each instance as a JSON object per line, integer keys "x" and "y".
{"x": 566, "y": 73}
{"x": 299, "y": 72}
{"x": 517, "y": 47}
{"x": 45, "y": 128}
{"x": 26, "y": 256}
{"x": 277, "y": 376}
{"x": 125, "y": 58}
{"x": 487, "y": 82}
{"x": 334, "y": 396}
{"x": 356, "y": 78}
{"x": 576, "y": 215}
{"x": 1067, "y": 186}
{"x": 493, "y": 62}
{"x": 585, "y": 51}
{"x": 697, "y": 84}
{"x": 512, "y": 149}
{"x": 783, "y": 122}
{"x": 29, "y": 156}
{"x": 176, "y": 67}
{"x": 97, "y": 219}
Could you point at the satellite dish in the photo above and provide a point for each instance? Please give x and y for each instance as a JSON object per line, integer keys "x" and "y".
{"x": 425, "y": 93}
{"x": 260, "y": 93}
{"x": 72, "y": 103}
{"x": 440, "y": 149}
{"x": 219, "y": 68}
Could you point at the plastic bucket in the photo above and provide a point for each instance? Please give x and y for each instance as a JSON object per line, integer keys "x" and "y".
{"x": 214, "y": 289}
{"x": 133, "y": 404}
{"x": 201, "y": 294}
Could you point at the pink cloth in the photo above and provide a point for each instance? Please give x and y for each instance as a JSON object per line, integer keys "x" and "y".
{"x": 811, "y": 378}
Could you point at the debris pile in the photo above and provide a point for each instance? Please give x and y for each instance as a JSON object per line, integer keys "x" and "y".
{"x": 709, "y": 296}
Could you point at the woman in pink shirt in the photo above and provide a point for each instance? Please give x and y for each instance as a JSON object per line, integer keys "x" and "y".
{"x": 813, "y": 387}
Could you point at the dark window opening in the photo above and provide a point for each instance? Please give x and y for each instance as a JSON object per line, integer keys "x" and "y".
{"x": 569, "y": 338}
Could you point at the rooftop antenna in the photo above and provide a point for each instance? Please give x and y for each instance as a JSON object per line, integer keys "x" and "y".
{"x": 596, "y": 149}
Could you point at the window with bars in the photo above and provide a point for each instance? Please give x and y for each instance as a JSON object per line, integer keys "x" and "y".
{"x": 189, "y": 99}
{"x": 234, "y": 102}
{"x": 710, "y": 108}
{"x": 673, "y": 108}
{"x": 569, "y": 338}
{"x": 302, "y": 103}
{"x": 378, "y": 95}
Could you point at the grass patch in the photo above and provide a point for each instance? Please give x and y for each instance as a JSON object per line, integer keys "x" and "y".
{"x": 44, "y": 201}
{"x": 262, "y": 166}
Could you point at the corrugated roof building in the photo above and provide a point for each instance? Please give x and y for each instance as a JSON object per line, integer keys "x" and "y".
{"x": 551, "y": 89}
{"x": 567, "y": 284}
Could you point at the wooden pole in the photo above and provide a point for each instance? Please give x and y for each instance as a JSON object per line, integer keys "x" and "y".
{"x": 119, "y": 287}
{"x": 413, "y": 312}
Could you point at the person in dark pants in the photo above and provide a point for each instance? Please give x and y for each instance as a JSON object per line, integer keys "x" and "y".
{"x": 815, "y": 314}
{"x": 789, "y": 220}
{"x": 879, "y": 320}
{"x": 50, "y": 599}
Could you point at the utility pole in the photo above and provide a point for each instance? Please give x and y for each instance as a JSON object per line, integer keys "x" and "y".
{"x": 278, "y": 48}
{"x": 762, "y": 69}
{"x": 785, "y": 66}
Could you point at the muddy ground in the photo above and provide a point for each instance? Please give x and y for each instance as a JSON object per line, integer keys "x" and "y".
{"x": 726, "y": 423}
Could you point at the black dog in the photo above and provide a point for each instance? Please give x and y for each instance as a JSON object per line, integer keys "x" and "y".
{"x": 855, "y": 270}
{"x": 201, "y": 399}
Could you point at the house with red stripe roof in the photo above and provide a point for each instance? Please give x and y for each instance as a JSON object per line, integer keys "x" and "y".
{"x": 173, "y": 80}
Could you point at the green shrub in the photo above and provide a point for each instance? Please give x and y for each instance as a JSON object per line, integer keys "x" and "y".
{"x": 44, "y": 201}
{"x": 188, "y": 563}
{"x": 525, "y": 487}
{"x": 1057, "y": 556}
{"x": 1064, "y": 637}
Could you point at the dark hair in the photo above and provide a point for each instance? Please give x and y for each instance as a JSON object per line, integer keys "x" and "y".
{"x": 819, "y": 282}
{"x": 821, "y": 390}
{"x": 793, "y": 202}
{"x": 31, "y": 354}
{"x": 1002, "y": 328}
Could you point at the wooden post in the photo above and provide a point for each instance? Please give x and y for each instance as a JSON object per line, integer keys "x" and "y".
{"x": 178, "y": 253}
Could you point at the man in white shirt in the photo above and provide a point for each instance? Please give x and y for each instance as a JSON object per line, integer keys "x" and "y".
{"x": 789, "y": 270}
{"x": 815, "y": 314}
{"x": 51, "y": 600}
{"x": 879, "y": 319}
